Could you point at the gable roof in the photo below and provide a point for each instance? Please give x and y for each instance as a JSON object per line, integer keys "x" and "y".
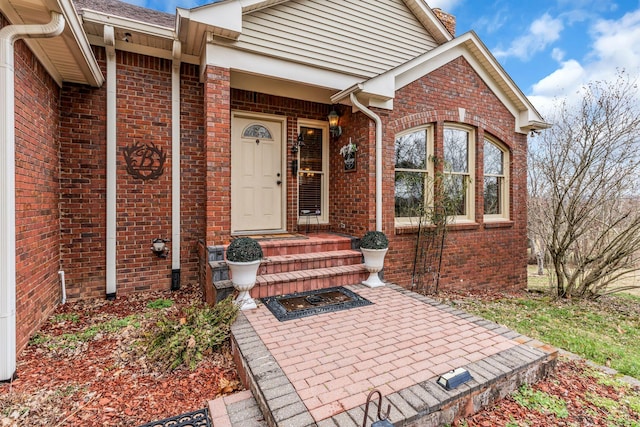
{"x": 380, "y": 91}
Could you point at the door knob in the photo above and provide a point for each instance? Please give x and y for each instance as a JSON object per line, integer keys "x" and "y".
{"x": 278, "y": 182}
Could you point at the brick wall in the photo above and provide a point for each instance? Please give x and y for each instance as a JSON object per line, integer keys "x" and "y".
{"x": 143, "y": 206}
{"x": 83, "y": 182}
{"x": 37, "y": 221}
{"x": 482, "y": 256}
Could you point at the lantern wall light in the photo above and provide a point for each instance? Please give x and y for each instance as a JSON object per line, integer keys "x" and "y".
{"x": 334, "y": 120}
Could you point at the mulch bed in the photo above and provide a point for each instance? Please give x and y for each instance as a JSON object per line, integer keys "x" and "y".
{"x": 582, "y": 388}
{"x": 106, "y": 381}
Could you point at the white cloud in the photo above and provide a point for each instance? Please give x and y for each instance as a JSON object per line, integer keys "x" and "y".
{"x": 542, "y": 32}
{"x": 615, "y": 46}
{"x": 558, "y": 54}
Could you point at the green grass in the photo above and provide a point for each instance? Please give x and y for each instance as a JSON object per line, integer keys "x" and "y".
{"x": 606, "y": 331}
{"x": 541, "y": 402}
{"x": 73, "y": 340}
{"x": 160, "y": 303}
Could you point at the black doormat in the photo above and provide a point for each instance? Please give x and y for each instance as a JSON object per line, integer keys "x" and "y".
{"x": 303, "y": 304}
{"x": 198, "y": 418}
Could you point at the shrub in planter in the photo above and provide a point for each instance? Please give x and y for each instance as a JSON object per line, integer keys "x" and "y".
{"x": 243, "y": 258}
{"x": 244, "y": 249}
{"x": 374, "y": 246}
{"x": 374, "y": 240}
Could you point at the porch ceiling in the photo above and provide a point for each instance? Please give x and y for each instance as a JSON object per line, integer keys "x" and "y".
{"x": 67, "y": 58}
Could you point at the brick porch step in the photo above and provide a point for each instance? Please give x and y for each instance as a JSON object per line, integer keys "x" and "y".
{"x": 236, "y": 410}
{"x": 308, "y": 280}
{"x": 311, "y": 262}
{"x": 306, "y": 244}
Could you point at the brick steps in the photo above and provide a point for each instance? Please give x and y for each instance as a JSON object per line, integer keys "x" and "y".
{"x": 291, "y": 265}
{"x": 308, "y": 261}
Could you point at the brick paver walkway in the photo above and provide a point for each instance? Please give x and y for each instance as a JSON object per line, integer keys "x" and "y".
{"x": 334, "y": 359}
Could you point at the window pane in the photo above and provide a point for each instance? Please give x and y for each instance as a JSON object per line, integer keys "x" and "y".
{"x": 310, "y": 193}
{"x": 411, "y": 151}
{"x": 493, "y": 164}
{"x": 456, "y": 150}
{"x": 455, "y": 195}
{"x": 409, "y": 193}
{"x": 311, "y": 149}
{"x": 257, "y": 131}
{"x": 492, "y": 195}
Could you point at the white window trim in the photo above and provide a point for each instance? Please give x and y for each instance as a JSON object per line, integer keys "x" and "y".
{"x": 470, "y": 216}
{"x": 428, "y": 188}
{"x": 324, "y": 197}
{"x": 506, "y": 158}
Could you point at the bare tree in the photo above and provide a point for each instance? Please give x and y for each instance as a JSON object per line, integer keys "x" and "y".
{"x": 584, "y": 174}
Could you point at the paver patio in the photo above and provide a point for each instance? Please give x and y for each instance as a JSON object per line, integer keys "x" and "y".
{"x": 319, "y": 370}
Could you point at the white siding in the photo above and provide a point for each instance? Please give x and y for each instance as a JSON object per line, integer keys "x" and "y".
{"x": 360, "y": 37}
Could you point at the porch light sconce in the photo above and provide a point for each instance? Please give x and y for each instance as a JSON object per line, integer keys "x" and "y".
{"x": 160, "y": 247}
{"x": 334, "y": 128}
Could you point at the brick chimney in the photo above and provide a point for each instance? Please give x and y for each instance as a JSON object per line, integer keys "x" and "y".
{"x": 448, "y": 20}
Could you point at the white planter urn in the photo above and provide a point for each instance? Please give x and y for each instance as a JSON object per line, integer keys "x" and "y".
{"x": 243, "y": 277}
{"x": 373, "y": 262}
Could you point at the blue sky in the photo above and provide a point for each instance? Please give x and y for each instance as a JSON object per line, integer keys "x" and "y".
{"x": 549, "y": 47}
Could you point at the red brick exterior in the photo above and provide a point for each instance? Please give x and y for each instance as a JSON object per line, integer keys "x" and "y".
{"x": 143, "y": 207}
{"x": 37, "y": 195}
{"x": 480, "y": 256}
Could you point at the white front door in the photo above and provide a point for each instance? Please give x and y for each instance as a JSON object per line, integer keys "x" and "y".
{"x": 257, "y": 181}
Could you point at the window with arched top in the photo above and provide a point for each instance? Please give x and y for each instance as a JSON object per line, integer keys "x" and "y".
{"x": 256, "y": 131}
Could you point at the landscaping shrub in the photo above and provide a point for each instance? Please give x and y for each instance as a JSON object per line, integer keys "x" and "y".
{"x": 183, "y": 341}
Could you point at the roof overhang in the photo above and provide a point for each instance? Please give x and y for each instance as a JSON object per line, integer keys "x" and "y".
{"x": 380, "y": 91}
{"x": 224, "y": 19}
{"x": 67, "y": 58}
{"x": 135, "y": 36}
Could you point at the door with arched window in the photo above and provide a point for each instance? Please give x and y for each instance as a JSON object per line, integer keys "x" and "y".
{"x": 257, "y": 181}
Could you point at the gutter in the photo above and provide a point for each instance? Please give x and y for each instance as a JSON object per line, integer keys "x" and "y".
{"x": 109, "y": 41}
{"x": 175, "y": 166}
{"x": 8, "y": 36}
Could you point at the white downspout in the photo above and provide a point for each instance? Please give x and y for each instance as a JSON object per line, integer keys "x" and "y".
{"x": 175, "y": 166}
{"x": 110, "y": 43}
{"x": 8, "y": 36}
{"x": 376, "y": 118}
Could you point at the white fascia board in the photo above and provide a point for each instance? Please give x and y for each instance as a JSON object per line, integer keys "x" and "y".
{"x": 429, "y": 20}
{"x": 469, "y": 47}
{"x": 128, "y": 24}
{"x": 248, "y": 62}
{"x": 382, "y": 86}
{"x": 226, "y": 15}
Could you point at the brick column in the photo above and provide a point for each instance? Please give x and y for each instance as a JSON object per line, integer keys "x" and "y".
{"x": 217, "y": 146}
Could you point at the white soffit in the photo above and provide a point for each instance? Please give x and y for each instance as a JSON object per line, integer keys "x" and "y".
{"x": 274, "y": 69}
{"x": 67, "y": 58}
{"x": 133, "y": 36}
